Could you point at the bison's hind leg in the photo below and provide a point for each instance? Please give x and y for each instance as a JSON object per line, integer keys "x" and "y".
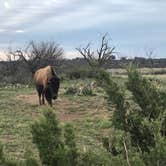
{"x": 43, "y": 101}
{"x": 39, "y": 90}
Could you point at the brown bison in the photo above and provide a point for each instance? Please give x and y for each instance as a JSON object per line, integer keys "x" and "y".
{"x": 47, "y": 84}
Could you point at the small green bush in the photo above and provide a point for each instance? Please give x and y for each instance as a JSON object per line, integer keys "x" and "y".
{"x": 144, "y": 93}
{"x": 53, "y": 149}
{"x": 87, "y": 91}
{"x": 115, "y": 99}
{"x": 47, "y": 136}
{"x": 71, "y": 91}
{"x": 82, "y": 90}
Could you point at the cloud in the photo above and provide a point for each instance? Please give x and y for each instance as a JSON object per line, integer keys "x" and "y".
{"x": 6, "y": 5}
{"x": 26, "y": 13}
{"x": 71, "y": 54}
{"x": 130, "y": 22}
{"x": 20, "y": 31}
{"x": 76, "y": 14}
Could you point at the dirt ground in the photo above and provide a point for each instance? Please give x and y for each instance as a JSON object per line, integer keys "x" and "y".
{"x": 69, "y": 110}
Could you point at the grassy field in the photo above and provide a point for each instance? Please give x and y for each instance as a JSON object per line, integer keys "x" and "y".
{"x": 145, "y": 71}
{"x": 88, "y": 114}
{"x": 19, "y": 108}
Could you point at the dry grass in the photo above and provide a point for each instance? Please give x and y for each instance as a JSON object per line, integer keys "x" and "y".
{"x": 88, "y": 114}
{"x": 144, "y": 71}
{"x": 19, "y": 108}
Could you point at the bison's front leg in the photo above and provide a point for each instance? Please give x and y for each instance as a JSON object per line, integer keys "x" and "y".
{"x": 48, "y": 97}
{"x": 49, "y": 100}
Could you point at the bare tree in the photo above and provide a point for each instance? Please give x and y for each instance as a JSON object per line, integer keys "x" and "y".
{"x": 150, "y": 55}
{"x": 37, "y": 55}
{"x": 99, "y": 57}
{"x": 11, "y": 62}
{"x": 9, "y": 67}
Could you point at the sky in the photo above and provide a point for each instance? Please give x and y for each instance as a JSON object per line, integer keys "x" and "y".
{"x": 134, "y": 26}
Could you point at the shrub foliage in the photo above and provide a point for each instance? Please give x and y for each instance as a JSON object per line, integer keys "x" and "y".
{"x": 139, "y": 127}
{"x": 53, "y": 149}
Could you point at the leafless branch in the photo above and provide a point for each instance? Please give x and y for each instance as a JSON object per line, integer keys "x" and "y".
{"x": 100, "y": 56}
{"x": 37, "y": 55}
{"x": 127, "y": 155}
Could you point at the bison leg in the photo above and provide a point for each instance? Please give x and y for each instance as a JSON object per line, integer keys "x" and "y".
{"x": 39, "y": 90}
{"x": 43, "y": 101}
{"x": 49, "y": 100}
{"x": 39, "y": 94}
{"x": 48, "y": 97}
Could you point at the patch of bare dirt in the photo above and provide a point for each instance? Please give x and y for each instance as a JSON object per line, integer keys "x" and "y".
{"x": 66, "y": 117}
{"x": 68, "y": 110}
{"x": 29, "y": 99}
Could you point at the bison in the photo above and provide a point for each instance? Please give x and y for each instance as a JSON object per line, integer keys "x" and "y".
{"x": 47, "y": 84}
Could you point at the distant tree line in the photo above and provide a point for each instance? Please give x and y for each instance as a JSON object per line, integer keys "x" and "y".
{"x": 21, "y": 64}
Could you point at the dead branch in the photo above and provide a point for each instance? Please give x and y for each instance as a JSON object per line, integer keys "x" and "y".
{"x": 99, "y": 57}
{"x": 127, "y": 155}
{"x": 37, "y": 55}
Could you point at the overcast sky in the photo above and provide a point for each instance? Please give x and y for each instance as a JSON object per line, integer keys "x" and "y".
{"x": 134, "y": 26}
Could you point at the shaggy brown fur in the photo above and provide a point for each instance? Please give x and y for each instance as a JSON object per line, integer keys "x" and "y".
{"x": 47, "y": 84}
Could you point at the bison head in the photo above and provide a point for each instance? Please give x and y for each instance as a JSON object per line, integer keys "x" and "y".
{"x": 53, "y": 87}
